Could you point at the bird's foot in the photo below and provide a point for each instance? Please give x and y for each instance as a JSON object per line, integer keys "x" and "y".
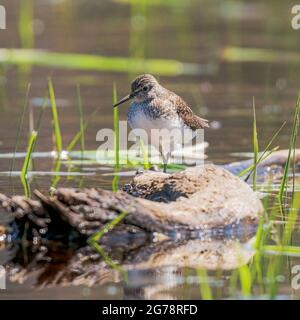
{"x": 154, "y": 167}
{"x": 140, "y": 171}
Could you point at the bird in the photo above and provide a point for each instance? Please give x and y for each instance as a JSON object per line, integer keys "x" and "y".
{"x": 155, "y": 107}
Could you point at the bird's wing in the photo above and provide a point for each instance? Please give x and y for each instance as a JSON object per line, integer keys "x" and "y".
{"x": 187, "y": 115}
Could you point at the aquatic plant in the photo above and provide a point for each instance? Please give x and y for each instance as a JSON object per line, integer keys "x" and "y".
{"x": 24, "y": 171}
{"x": 81, "y": 121}
{"x": 25, "y": 24}
{"x": 56, "y": 127}
{"x": 265, "y": 154}
{"x": 205, "y": 289}
{"x": 292, "y": 147}
{"x": 255, "y": 146}
{"x": 115, "y": 181}
{"x": 239, "y": 54}
{"x": 93, "y": 241}
{"x": 20, "y": 126}
{"x": 74, "y": 61}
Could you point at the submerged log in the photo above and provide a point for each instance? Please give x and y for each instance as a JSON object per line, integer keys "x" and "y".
{"x": 197, "y": 198}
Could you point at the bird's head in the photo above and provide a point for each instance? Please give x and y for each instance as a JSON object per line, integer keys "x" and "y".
{"x": 143, "y": 88}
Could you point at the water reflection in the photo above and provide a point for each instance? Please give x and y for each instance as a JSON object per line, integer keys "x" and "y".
{"x": 153, "y": 269}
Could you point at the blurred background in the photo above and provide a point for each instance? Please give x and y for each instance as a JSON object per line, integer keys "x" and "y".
{"x": 217, "y": 55}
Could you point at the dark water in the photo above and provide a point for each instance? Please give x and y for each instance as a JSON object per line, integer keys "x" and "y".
{"x": 188, "y": 31}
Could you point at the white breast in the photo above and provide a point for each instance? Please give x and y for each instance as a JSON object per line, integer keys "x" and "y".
{"x": 139, "y": 118}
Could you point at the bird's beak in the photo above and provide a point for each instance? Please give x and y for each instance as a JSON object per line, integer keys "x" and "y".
{"x": 128, "y": 97}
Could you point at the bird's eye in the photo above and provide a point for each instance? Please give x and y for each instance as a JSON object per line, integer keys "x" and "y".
{"x": 145, "y": 88}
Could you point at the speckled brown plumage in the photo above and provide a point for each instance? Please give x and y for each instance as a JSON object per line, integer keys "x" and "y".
{"x": 186, "y": 113}
{"x": 155, "y": 101}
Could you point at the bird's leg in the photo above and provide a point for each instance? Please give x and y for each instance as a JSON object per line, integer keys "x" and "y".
{"x": 165, "y": 157}
{"x": 165, "y": 167}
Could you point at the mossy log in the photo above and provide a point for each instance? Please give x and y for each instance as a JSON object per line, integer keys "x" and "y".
{"x": 198, "y": 198}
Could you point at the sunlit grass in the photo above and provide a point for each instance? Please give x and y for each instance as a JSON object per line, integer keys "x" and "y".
{"x": 57, "y": 135}
{"x": 282, "y": 250}
{"x": 20, "y": 127}
{"x": 82, "y": 130}
{"x": 3, "y": 89}
{"x": 255, "y": 147}
{"x": 26, "y": 23}
{"x": 73, "y": 61}
{"x": 205, "y": 289}
{"x": 56, "y": 127}
{"x": 115, "y": 181}
{"x": 43, "y": 108}
{"x": 145, "y": 155}
{"x": 81, "y": 121}
{"x": 292, "y": 146}
{"x": 137, "y": 39}
{"x": 245, "y": 280}
{"x": 264, "y": 155}
{"x": 108, "y": 260}
{"x": 56, "y": 170}
{"x": 95, "y": 238}
{"x": 159, "y": 3}
{"x": 109, "y": 226}
{"x": 116, "y": 127}
{"x": 77, "y": 137}
{"x": 283, "y": 239}
{"x": 239, "y": 54}
{"x": 26, "y": 163}
{"x": 268, "y": 260}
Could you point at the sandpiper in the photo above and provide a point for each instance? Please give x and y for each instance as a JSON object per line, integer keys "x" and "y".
{"x": 155, "y": 107}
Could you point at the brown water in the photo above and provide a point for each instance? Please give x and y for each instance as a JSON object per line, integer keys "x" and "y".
{"x": 188, "y": 31}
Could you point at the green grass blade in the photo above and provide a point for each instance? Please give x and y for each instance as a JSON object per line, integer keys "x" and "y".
{"x": 20, "y": 126}
{"x": 287, "y": 250}
{"x": 291, "y": 220}
{"x": 108, "y": 260}
{"x": 44, "y": 104}
{"x": 233, "y": 281}
{"x": 292, "y": 143}
{"x": 239, "y": 54}
{"x": 72, "y": 61}
{"x": 259, "y": 235}
{"x": 255, "y": 147}
{"x": 82, "y": 126}
{"x": 261, "y": 158}
{"x": 145, "y": 156}
{"x": 204, "y": 286}
{"x": 26, "y": 24}
{"x": 115, "y": 182}
{"x": 57, "y": 133}
{"x": 93, "y": 242}
{"x": 57, "y": 176}
{"x": 24, "y": 171}
{"x": 245, "y": 279}
{"x": 116, "y": 127}
{"x": 77, "y": 137}
{"x": 265, "y": 153}
{"x": 98, "y": 235}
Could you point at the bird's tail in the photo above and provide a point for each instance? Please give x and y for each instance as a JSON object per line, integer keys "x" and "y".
{"x": 203, "y": 123}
